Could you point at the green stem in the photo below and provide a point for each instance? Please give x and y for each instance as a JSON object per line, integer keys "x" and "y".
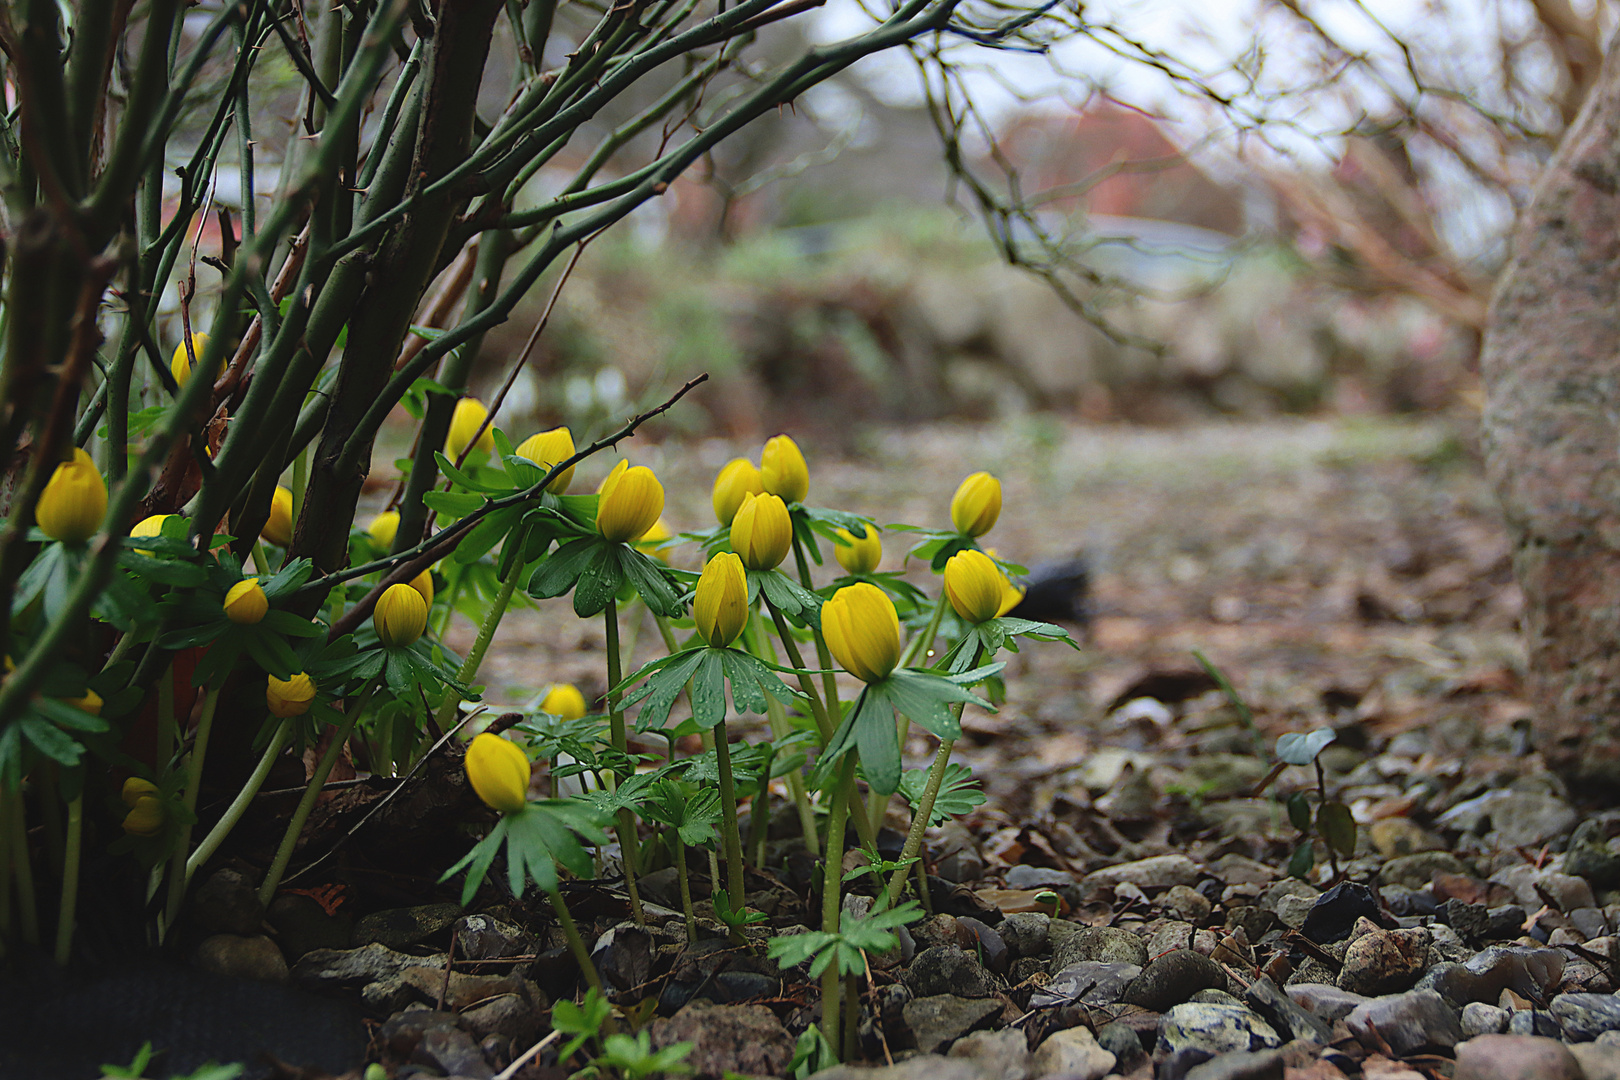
{"x": 486, "y": 633}
{"x": 27, "y": 910}
{"x": 166, "y": 723}
{"x": 829, "y": 681}
{"x": 919, "y": 820}
{"x": 194, "y": 772}
{"x": 626, "y": 824}
{"x": 576, "y": 944}
{"x": 832, "y": 873}
{"x": 780, "y": 729}
{"x": 824, "y": 722}
{"x": 728, "y": 818}
{"x": 244, "y": 798}
{"x": 70, "y": 882}
{"x": 686, "y": 888}
{"x": 323, "y": 769}
{"x": 922, "y": 643}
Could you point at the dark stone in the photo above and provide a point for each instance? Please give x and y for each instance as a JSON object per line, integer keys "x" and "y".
{"x": 401, "y": 1033}
{"x": 1103, "y": 944}
{"x": 745, "y": 1039}
{"x": 1589, "y": 856}
{"x": 1418, "y": 1021}
{"x": 227, "y": 903}
{"x": 508, "y": 1015}
{"x": 992, "y": 950}
{"x": 1176, "y": 1066}
{"x": 945, "y": 969}
{"x": 1507, "y": 923}
{"x": 1471, "y": 921}
{"x": 398, "y": 928}
{"x": 302, "y": 925}
{"x": 1584, "y": 1017}
{"x": 937, "y": 1021}
{"x": 1125, "y": 1044}
{"x": 623, "y": 959}
{"x": 952, "y": 899}
{"x": 453, "y": 1052}
{"x": 1291, "y": 1020}
{"x": 1336, "y": 912}
{"x": 1173, "y": 978}
{"x": 1026, "y": 933}
{"x": 253, "y": 957}
{"x": 1086, "y": 983}
{"x": 479, "y": 937}
{"x": 1248, "y": 1065}
{"x": 1533, "y": 1022}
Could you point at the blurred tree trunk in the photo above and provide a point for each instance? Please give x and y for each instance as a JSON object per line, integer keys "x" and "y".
{"x": 1551, "y": 366}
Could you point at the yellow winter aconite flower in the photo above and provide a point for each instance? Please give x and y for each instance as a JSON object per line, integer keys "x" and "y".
{"x": 975, "y": 585}
{"x": 136, "y": 787}
{"x": 401, "y": 616}
{"x": 737, "y": 478}
{"x": 180, "y": 363}
{"x": 90, "y": 703}
{"x": 858, "y": 555}
{"x": 631, "y": 499}
{"x": 468, "y": 417}
{"x": 976, "y": 504}
{"x": 720, "y": 607}
{"x": 762, "y": 531}
{"x": 782, "y": 470}
{"x": 278, "y": 527}
{"x": 71, "y": 507}
{"x": 564, "y": 701}
{"x": 862, "y": 631}
{"x": 245, "y": 603}
{"x": 498, "y": 770}
{"x": 383, "y": 528}
{"x": 289, "y": 697}
{"x": 547, "y": 449}
{"x": 145, "y": 817}
{"x": 1011, "y": 596}
{"x": 423, "y": 583}
{"x": 651, "y": 541}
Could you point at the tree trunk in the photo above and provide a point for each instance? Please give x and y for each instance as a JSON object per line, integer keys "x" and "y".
{"x": 1551, "y": 367}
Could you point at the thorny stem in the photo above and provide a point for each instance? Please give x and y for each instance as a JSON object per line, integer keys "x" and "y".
{"x": 306, "y": 805}
{"x": 625, "y": 825}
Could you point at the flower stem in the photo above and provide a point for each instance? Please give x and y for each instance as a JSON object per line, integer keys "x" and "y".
{"x": 244, "y": 798}
{"x": 194, "y": 774}
{"x": 323, "y": 769}
{"x": 576, "y": 944}
{"x": 17, "y": 827}
{"x": 829, "y": 681}
{"x": 921, "y": 813}
{"x": 824, "y": 722}
{"x": 70, "y": 881}
{"x": 686, "y": 888}
{"x": 728, "y": 818}
{"x": 626, "y": 822}
{"x": 486, "y": 633}
{"x": 832, "y": 984}
{"x": 920, "y": 645}
{"x": 781, "y": 730}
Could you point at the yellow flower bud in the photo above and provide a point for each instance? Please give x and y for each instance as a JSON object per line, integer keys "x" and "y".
{"x": 90, "y": 703}
{"x": 278, "y": 527}
{"x": 245, "y": 603}
{"x": 400, "y": 617}
{"x": 974, "y": 585}
{"x": 1011, "y": 597}
{"x": 782, "y": 470}
{"x": 976, "y": 504}
{"x": 468, "y": 417}
{"x": 862, "y": 631}
{"x": 858, "y": 556}
{"x": 383, "y": 528}
{"x": 180, "y": 363}
{"x": 145, "y": 818}
{"x": 720, "y": 607}
{"x": 423, "y": 583}
{"x": 651, "y": 541}
{"x": 134, "y": 788}
{"x": 149, "y": 526}
{"x": 74, "y": 501}
{"x": 630, "y": 502}
{"x": 498, "y": 770}
{"x": 547, "y": 449}
{"x": 289, "y": 697}
{"x": 564, "y": 701}
{"x": 762, "y": 531}
{"x": 737, "y": 478}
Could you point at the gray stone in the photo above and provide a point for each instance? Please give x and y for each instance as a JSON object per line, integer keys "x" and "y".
{"x": 1384, "y": 961}
{"x": 746, "y": 1039}
{"x": 1515, "y": 1057}
{"x": 1026, "y": 933}
{"x": 227, "y": 903}
{"x": 1290, "y": 1019}
{"x": 1000, "y": 1055}
{"x": 1187, "y": 904}
{"x": 987, "y": 944}
{"x": 1516, "y": 818}
{"x": 255, "y": 957}
{"x": 353, "y": 967}
{"x": 941, "y": 1019}
{"x": 1251, "y": 1065}
{"x": 1173, "y": 978}
{"x": 1479, "y": 1018}
{"x": 1215, "y": 997}
{"x": 945, "y": 969}
{"x": 397, "y": 928}
{"x": 1219, "y": 1029}
{"x": 1599, "y": 1060}
{"x": 1168, "y": 934}
{"x": 1125, "y": 1044}
{"x": 1589, "y": 856}
{"x": 479, "y": 937}
{"x": 508, "y": 1015}
{"x": 1528, "y": 972}
{"x": 1324, "y": 1000}
{"x": 1072, "y": 1054}
{"x": 1533, "y": 1022}
{"x": 1586, "y": 1016}
{"x": 453, "y": 1052}
{"x": 1415, "y": 1022}
{"x": 1102, "y": 944}
{"x": 921, "y": 1067}
{"x": 1158, "y": 872}
{"x": 1416, "y": 871}
{"x": 1039, "y": 877}
{"x": 1086, "y": 983}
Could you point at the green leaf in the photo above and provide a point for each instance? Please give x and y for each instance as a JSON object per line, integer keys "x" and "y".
{"x": 1337, "y": 827}
{"x": 878, "y": 741}
{"x": 562, "y": 568}
{"x": 456, "y": 504}
{"x": 1299, "y": 810}
{"x": 664, "y": 687}
{"x": 600, "y": 581}
{"x": 709, "y": 690}
{"x": 486, "y": 534}
{"x": 1301, "y": 861}
{"x": 461, "y": 479}
{"x": 958, "y": 792}
{"x": 646, "y": 575}
{"x": 1301, "y": 748}
{"x": 788, "y": 596}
